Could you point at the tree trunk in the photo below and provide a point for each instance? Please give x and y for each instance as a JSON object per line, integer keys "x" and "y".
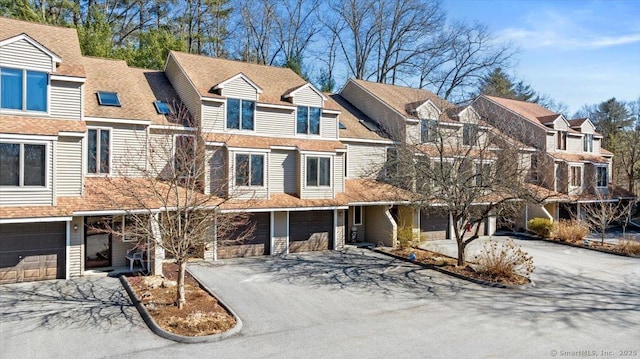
{"x": 461, "y": 257}
{"x": 181, "y": 300}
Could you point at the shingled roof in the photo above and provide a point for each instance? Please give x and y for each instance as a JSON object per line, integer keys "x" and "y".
{"x": 61, "y": 41}
{"x": 352, "y": 119}
{"x": 207, "y": 72}
{"x": 405, "y": 99}
{"x": 137, "y": 89}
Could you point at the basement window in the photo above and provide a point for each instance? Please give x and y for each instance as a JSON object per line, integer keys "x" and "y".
{"x": 108, "y": 98}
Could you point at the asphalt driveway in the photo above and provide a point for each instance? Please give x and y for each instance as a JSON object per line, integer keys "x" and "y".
{"x": 358, "y": 304}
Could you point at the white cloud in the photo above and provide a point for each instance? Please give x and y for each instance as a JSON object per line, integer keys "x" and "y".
{"x": 577, "y": 29}
{"x": 531, "y": 39}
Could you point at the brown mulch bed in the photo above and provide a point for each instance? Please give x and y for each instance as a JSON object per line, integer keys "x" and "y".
{"x": 450, "y": 264}
{"x": 201, "y": 315}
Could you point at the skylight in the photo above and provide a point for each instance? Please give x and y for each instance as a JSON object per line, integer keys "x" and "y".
{"x": 369, "y": 125}
{"x": 108, "y": 98}
{"x": 342, "y": 126}
{"x": 162, "y": 107}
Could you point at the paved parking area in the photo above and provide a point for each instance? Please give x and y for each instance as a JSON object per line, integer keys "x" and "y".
{"x": 358, "y": 304}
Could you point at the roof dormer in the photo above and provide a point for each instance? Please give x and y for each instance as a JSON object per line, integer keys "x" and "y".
{"x": 238, "y": 86}
{"x": 555, "y": 121}
{"x": 22, "y": 51}
{"x": 583, "y": 125}
{"x": 305, "y": 95}
{"x": 424, "y": 110}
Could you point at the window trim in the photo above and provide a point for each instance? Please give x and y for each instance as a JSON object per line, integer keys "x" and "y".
{"x": 359, "y": 218}
{"x": 86, "y": 156}
{"x": 308, "y": 118}
{"x": 306, "y": 174}
{"x": 606, "y": 178}
{"x": 226, "y": 111}
{"x": 235, "y": 169}
{"x": 119, "y": 104}
{"x": 47, "y": 178}
{"x": 24, "y": 92}
{"x": 174, "y": 147}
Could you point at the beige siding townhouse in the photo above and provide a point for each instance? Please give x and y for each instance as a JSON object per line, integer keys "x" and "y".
{"x": 67, "y": 123}
{"x": 273, "y": 151}
{"x": 412, "y": 116}
{"x": 570, "y": 161}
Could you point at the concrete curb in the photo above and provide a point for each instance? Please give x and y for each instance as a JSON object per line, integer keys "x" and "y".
{"x": 151, "y": 323}
{"x": 454, "y": 274}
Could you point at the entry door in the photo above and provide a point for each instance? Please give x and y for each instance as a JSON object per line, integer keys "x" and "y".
{"x": 97, "y": 242}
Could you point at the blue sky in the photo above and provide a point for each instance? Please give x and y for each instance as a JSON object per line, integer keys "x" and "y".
{"x": 577, "y": 52}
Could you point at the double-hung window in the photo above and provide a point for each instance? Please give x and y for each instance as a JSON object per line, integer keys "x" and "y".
{"x": 562, "y": 140}
{"x": 23, "y": 90}
{"x": 576, "y": 176}
{"x": 184, "y": 155}
{"x": 587, "y": 143}
{"x": 318, "y": 171}
{"x": 249, "y": 169}
{"x": 23, "y": 165}
{"x": 308, "y": 120}
{"x": 240, "y": 114}
{"x": 98, "y": 151}
{"x": 428, "y": 131}
{"x": 602, "y": 179}
{"x": 483, "y": 173}
{"x": 469, "y": 134}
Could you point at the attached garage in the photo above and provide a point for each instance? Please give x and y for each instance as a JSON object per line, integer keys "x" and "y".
{"x": 310, "y": 231}
{"x": 256, "y": 244}
{"x": 434, "y": 225}
{"x": 32, "y": 252}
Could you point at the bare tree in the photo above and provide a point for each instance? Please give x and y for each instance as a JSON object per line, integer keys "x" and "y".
{"x": 469, "y": 173}
{"x": 353, "y": 22}
{"x": 380, "y": 40}
{"x": 257, "y": 32}
{"x": 604, "y": 211}
{"x": 161, "y": 189}
{"x": 460, "y": 57}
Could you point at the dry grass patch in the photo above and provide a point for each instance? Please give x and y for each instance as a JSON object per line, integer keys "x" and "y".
{"x": 630, "y": 247}
{"x": 201, "y": 315}
{"x": 571, "y": 231}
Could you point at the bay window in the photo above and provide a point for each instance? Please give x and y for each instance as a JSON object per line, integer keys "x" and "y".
{"x": 318, "y": 171}
{"x": 249, "y": 169}
{"x": 602, "y": 178}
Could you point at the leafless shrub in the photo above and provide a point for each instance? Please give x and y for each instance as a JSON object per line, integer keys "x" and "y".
{"x": 504, "y": 260}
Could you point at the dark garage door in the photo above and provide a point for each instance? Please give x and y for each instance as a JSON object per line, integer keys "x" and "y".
{"x": 310, "y": 231}
{"x": 434, "y": 224}
{"x": 32, "y": 251}
{"x": 255, "y": 244}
